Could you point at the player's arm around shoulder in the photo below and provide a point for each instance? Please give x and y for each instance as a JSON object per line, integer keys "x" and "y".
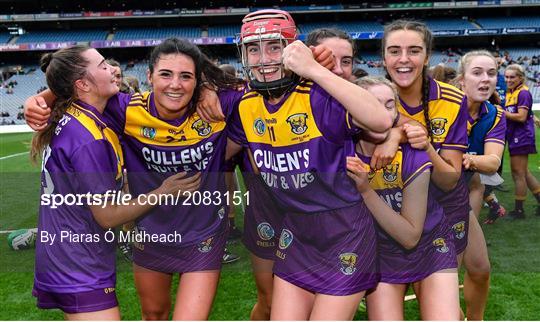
{"x": 37, "y": 109}
{"x": 406, "y": 227}
{"x": 364, "y": 108}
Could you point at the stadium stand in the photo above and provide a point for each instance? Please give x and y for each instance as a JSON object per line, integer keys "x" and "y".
{"x": 157, "y": 33}
{"x": 62, "y": 35}
{"x": 230, "y": 30}
{"x": 507, "y": 22}
{"x": 4, "y": 37}
{"x": 223, "y": 30}
{"x": 29, "y": 83}
{"x": 356, "y": 26}
{"x": 449, "y": 24}
{"x": 26, "y": 85}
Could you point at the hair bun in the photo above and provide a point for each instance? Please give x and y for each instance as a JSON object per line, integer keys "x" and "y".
{"x": 45, "y": 61}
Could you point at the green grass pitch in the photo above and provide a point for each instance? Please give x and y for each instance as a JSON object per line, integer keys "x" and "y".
{"x": 514, "y": 248}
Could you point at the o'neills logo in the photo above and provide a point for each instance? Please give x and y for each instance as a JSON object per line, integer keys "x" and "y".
{"x": 285, "y": 239}
{"x": 109, "y": 290}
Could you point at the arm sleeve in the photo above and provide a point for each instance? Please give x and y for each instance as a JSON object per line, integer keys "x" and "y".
{"x": 229, "y": 100}
{"x": 235, "y": 129}
{"x": 415, "y": 163}
{"x": 457, "y": 139}
{"x": 331, "y": 117}
{"x": 115, "y": 112}
{"x": 524, "y": 100}
{"x": 498, "y": 131}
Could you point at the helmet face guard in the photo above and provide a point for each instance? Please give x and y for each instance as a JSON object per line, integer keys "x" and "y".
{"x": 265, "y": 33}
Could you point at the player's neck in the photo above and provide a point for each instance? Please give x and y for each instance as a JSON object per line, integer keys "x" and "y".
{"x": 98, "y": 103}
{"x": 275, "y": 100}
{"x": 474, "y": 107}
{"x": 169, "y": 116}
{"x": 516, "y": 87}
{"x": 412, "y": 95}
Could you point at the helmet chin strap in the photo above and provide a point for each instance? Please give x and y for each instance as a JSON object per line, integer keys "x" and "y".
{"x": 274, "y": 89}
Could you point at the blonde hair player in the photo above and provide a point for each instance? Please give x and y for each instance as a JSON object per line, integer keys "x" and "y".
{"x": 414, "y": 241}
{"x": 486, "y": 126}
{"x": 520, "y": 137}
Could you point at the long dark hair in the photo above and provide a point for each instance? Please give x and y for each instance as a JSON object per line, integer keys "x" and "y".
{"x": 206, "y": 72}
{"x": 62, "y": 68}
{"x": 427, "y": 37}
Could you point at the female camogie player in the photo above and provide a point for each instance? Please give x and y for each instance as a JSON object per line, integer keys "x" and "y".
{"x": 75, "y": 271}
{"x": 298, "y": 134}
{"x": 162, "y": 135}
{"x": 263, "y": 215}
{"x": 520, "y": 137}
{"x": 477, "y": 77}
{"x": 440, "y": 107}
{"x": 414, "y": 241}
{"x": 342, "y": 47}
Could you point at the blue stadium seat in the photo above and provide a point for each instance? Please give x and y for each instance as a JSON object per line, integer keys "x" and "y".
{"x": 4, "y": 37}
{"x": 157, "y": 33}
{"x": 347, "y": 26}
{"x": 449, "y": 24}
{"x": 223, "y": 31}
{"x": 62, "y": 35}
{"x": 508, "y": 22}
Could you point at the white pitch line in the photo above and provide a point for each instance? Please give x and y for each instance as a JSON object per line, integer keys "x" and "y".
{"x": 13, "y": 155}
{"x": 10, "y": 231}
{"x": 6, "y": 231}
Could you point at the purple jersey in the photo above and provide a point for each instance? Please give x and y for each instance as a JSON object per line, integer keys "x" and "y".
{"x": 448, "y": 122}
{"x": 435, "y": 249}
{"x": 84, "y": 156}
{"x": 447, "y": 116}
{"x": 389, "y": 183}
{"x": 300, "y": 146}
{"x": 156, "y": 149}
{"x": 520, "y": 134}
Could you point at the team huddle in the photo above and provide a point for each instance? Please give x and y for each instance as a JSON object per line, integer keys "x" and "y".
{"x": 359, "y": 188}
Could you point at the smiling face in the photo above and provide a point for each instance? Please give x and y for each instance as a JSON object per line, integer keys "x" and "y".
{"x": 264, "y": 59}
{"x": 117, "y": 75}
{"x": 343, "y": 56}
{"x": 512, "y": 79}
{"x": 405, "y": 57}
{"x": 479, "y": 78}
{"x": 99, "y": 77}
{"x": 173, "y": 82}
